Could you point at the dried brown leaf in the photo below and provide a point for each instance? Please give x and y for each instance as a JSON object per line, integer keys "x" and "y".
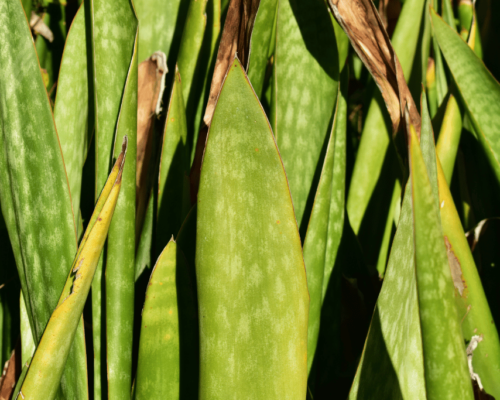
{"x": 11, "y": 372}
{"x": 365, "y": 29}
{"x": 40, "y": 28}
{"x": 235, "y": 42}
{"x": 151, "y": 83}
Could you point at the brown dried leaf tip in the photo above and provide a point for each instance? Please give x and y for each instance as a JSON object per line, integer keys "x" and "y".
{"x": 235, "y": 40}
{"x": 365, "y": 29}
{"x": 151, "y": 84}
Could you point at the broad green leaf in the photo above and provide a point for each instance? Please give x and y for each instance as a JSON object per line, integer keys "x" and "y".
{"x": 168, "y": 349}
{"x": 445, "y": 363}
{"x": 34, "y": 192}
{"x": 376, "y": 137}
{"x": 50, "y": 53}
{"x": 261, "y": 44}
{"x": 162, "y": 22}
{"x": 479, "y": 90}
{"x": 327, "y": 221}
{"x": 113, "y": 38}
{"x": 252, "y": 289}
{"x": 73, "y": 115}
{"x": 305, "y": 80}
{"x": 120, "y": 254}
{"x": 473, "y": 305}
{"x": 173, "y": 183}
{"x": 449, "y": 137}
{"x": 42, "y": 382}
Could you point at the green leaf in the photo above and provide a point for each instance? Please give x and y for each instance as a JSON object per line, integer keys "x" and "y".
{"x": 305, "y": 80}
{"x": 447, "y": 12}
{"x": 261, "y": 44}
{"x": 114, "y": 72}
{"x": 449, "y": 137}
{"x": 392, "y": 365}
{"x": 120, "y": 260}
{"x": 168, "y": 349}
{"x": 445, "y": 363}
{"x": 34, "y": 190}
{"x": 143, "y": 254}
{"x": 479, "y": 90}
{"x": 327, "y": 221}
{"x": 405, "y": 341}
{"x": 161, "y": 22}
{"x": 42, "y": 382}
{"x": 73, "y": 115}
{"x": 252, "y": 288}
{"x": 173, "y": 182}
{"x": 191, "y": 44}
{"x": 27, "y": 343}
{"x": 473, "y": 306}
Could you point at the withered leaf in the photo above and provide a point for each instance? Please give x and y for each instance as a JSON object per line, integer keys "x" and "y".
{"x": 11, "y": 372}
{"x": 40, "y": 28}
{"x": 151, "y": 83}
{"x": 365, "y": 29}
{"x": 235, "y": 41}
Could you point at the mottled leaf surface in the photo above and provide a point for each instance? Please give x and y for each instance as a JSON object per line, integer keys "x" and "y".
{"x": 472, "y": 303}
{"x": 120, "y": 255}
{"x": 161, "y": 24}
{"x": 478, "y": 88}
{"x": 42, "y": 381}
{"x": 392, "y": 363}
{"x": 34, "y": 189}
{"x": 327, "y": 221}
{"x": 304, "y": 91}
{"x": 114, "y": 35}
{"x": 168, "y": 348}
{"x": 252, "y": 290}
{"x": 445, "y": 363}
{"x": 73, "y": 117}
{"x": 260, "y": 44}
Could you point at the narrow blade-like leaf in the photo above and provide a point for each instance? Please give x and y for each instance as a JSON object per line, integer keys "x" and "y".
{"x": 168, "y": 349}
{"x": 42, "y": 382}
{"x": 478, "y": 88}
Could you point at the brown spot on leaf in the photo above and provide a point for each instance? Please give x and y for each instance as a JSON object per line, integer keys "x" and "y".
{"x": 456, "y": 269}
{"x": 278, "y": 221}
{"x": 256, "y": 149}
